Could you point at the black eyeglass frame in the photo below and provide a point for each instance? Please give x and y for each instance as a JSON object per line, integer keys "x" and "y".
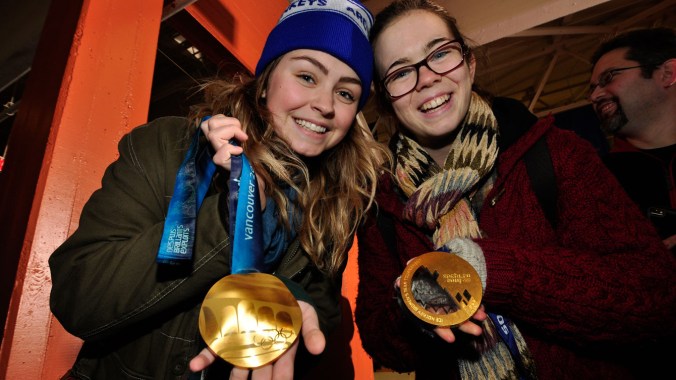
{"x": 607, "y": 76}
{"x": 464, "y": 51}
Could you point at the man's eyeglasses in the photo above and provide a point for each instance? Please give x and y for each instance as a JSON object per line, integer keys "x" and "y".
{"x": 607, "y": 76}
{"x": 444, "y": 59}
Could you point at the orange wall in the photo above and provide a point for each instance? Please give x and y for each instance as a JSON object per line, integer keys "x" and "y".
{"x": 104, "y": 91}
{"x": 363, "y": 365}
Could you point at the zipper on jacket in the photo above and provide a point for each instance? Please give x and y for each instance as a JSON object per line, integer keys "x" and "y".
{"x": 294, "y": 248}
{"x": 497, "y": 196}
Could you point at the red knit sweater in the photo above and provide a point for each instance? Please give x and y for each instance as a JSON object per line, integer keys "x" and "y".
{"x": 589, "y": 297}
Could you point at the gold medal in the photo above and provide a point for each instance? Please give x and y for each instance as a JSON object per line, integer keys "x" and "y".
{"x": 250, "y": 319}
{"x": 441, "y": 289}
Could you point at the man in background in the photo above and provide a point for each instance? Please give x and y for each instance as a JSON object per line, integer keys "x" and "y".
{"x": 633, "y": 93}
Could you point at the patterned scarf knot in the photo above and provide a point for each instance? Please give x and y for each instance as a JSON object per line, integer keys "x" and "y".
{"x": 439, "y": 197}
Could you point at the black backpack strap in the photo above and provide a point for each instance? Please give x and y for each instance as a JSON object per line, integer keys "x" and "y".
{"x": 541, "y": 172}
{"x": 386, "y": 226}
{"x": 514, "y": 120}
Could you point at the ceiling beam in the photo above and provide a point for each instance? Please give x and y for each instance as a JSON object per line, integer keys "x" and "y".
{"x": 566, "y": 107}
{"x": 564, "y": 30}
{"x": 489, "y": 20}
{"x": 646, "y": 14}
{"x": 242, "y": 26}
{"x": 175, "y": 7}
{"x": 543, "y": 81}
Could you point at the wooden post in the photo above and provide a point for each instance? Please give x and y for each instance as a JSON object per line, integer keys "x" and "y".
{"x": 103, "y": 92}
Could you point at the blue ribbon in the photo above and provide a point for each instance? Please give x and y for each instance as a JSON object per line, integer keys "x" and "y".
{"x": 502, "y": 325}
{"x": 192, "y": 182}
{"x": 245, "y": 224}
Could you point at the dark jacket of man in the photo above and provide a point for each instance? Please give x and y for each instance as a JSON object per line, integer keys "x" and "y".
{"x": 649, "y": 177}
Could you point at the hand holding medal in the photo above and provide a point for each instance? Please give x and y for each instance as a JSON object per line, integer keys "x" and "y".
{"x": 441, "y": 289}
{"x": 248, "y": 318}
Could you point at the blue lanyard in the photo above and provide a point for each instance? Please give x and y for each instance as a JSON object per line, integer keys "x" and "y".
{"x": 192, "y": 182}
{"x": 245, "y": 224}
{"x": 502, "y": 325}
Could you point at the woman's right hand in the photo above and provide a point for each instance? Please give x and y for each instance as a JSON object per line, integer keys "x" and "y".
{"x": 283, "y": 367}
{"x": 219, "y": 130}
{"x": 468, "y": 327}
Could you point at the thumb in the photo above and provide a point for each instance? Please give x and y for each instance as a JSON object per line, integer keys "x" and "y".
{"x": 312, "y": 335}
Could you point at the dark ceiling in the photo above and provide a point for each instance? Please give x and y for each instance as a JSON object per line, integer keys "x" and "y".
{"x": 22, "y": 21}
{"x": 186, "y": 55}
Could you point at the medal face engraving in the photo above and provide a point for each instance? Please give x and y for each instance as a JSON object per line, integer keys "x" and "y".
{"x": 249, "y": 319}
{"x": 441, "y": 289}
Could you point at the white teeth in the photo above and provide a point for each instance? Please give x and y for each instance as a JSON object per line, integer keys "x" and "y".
{"x": 311, "y": 126}
{"x": 607, "y": 107}
{"x": 434, "y": 103}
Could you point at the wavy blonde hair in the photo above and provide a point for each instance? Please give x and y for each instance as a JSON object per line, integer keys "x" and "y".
{"x": 334, "y": 191}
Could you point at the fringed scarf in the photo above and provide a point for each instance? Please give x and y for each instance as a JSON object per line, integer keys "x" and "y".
{"x": 439, "y": 201}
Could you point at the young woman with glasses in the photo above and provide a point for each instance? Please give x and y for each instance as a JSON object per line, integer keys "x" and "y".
{"x": 579, "y": 295}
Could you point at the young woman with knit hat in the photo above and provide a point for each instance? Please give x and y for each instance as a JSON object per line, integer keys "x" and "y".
{"x": 139, "y": 310}
{"x": 579, "y": 295}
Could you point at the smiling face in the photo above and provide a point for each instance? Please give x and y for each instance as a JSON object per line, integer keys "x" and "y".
{"x": 312, "y": 97}
{"x": 438, "y": 104}
{"x": 629, "y": 100}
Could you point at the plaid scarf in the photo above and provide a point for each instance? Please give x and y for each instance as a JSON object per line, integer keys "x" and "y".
{"x": 439, "y": 201}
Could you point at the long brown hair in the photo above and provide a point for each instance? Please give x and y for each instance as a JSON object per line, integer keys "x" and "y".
{"x": 333, "y": 195}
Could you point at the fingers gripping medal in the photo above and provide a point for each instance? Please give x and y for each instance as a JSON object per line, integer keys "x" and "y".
{"x": 441, "y": 289}
{"x": 248, "y": 318}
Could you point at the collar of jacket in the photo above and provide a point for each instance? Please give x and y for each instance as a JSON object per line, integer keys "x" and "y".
{"x": 622, "y": 145}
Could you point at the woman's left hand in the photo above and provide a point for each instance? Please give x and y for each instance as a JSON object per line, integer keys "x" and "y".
{"x": 282, "y": 369}
{"x": 220, "y": 130}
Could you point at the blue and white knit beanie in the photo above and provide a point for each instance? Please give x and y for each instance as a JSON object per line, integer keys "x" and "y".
{"x": 336, "y": 27}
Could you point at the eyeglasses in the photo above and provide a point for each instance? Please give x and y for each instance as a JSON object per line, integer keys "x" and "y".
{"x": 444, "y": 59}
{"x": 607, "y": 76}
